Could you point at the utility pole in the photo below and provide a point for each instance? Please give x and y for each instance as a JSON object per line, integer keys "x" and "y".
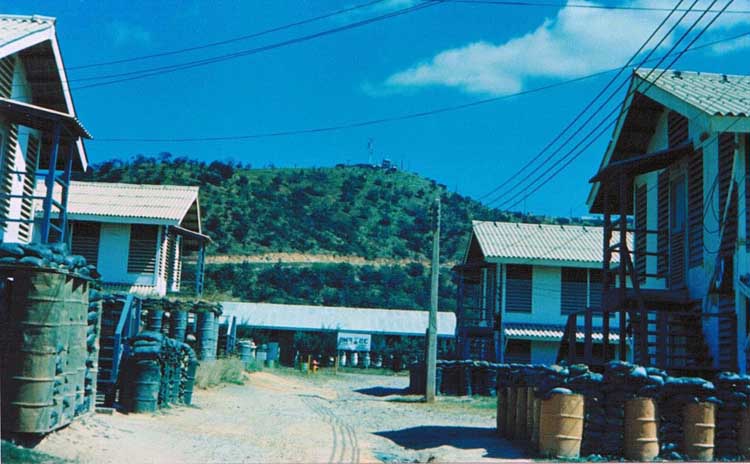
{"x": 431, "y": 358}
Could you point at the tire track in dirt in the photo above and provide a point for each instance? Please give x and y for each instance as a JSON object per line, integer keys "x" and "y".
{"x": 344, "y": 436}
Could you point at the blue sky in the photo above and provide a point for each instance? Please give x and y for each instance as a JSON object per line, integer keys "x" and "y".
{"x": 447, "y": 54}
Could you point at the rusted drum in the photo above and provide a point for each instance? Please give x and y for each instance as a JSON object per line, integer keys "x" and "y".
{"x": 510, "y": 412}
{"x": 76, "y": 306}
{"x": 529, "y": 412}
{"x": 641, "y": 428}
{"x": 699, "y": 427}
{"x": 561, "y": 426}
{"x": 519, "y": 432}
{"x": 502, "y": 407}
{"x": 207, "y": 341}
{"x": 178, "y": 325}
{"x": 34, "y": 355}
{"x": 146, "y": 383}
{"x": 743, "y": 436}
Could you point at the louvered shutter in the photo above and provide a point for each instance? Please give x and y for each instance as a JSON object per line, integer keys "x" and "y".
{"x": 29, "y": 179}
{"x": 695, "y": 209}
{"x": 662, "y": 241}
{"x": 518, "y": 288}
{"x": 142, "y": 249}
{"x": 640, "y": 234}
{"x": 7, "y": 146}
{"x": 85, "y": 240}
{"x": 573, "y": 287}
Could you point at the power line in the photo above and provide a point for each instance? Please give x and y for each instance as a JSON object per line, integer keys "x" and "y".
{"x": 650, "y": 84}
{"x": 591, "y": 103}
{"x": 390, "y": 119}
{"x": 230, "y": 40}
{"x": 585, "y": 5}
{"x": 143, "y": 73}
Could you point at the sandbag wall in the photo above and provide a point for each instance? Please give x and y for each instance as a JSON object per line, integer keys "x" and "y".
{"x": 458, "y": 377}
{"x": 159, "y": 372}
{"x": 641, "y": 413}
{"x": 46, "y": 328}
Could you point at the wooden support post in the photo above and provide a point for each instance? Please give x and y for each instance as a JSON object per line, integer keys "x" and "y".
{"x": 623, "y": 287}
{"x": 64, "y": 195}
{"x": 49, "y": 182}
{"x": 431, "y": 358}
{"x": 588, "y": 342}
{"x": 606, "y": 264}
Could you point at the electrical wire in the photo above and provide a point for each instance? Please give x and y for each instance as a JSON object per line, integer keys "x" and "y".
{"x": 390, "y": 119}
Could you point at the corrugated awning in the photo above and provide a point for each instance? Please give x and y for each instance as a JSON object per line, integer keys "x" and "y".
{"x": 551, "y": 332}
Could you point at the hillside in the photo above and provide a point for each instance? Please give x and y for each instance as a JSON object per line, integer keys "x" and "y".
{"x": 315, "y": 226}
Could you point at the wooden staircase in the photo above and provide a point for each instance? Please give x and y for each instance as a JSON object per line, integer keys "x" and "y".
{"x": 120, "y": 322}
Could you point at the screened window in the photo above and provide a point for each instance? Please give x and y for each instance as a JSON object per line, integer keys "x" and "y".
{"x": 142, "y": 249}
{"x": 85, "y": 241}
{"x": 518, "y": 288}
{"x": 573, "y": 288}
{"x": 518, "y": 351}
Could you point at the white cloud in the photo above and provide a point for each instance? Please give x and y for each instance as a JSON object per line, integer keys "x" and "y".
{"x": 125, "y": 34}
{"x": 575, "y": 42}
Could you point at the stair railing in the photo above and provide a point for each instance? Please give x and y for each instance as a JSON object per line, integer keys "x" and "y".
{"x": 127, "y": 327}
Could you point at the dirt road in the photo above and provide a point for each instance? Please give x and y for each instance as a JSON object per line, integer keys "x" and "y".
{"x": 282, "y": 416}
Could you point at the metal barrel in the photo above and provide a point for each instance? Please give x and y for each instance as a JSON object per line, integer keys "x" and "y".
{"x": 192, "y": 366}
{"x": 178, "y": 325}
{"x": 561, "y": 426}
{"x": 34, "y": 356}
{"x": 519, "y": 432}
{"x": 641, "y": 430}
{"x": 76, "y": 304}
{"x": 699, "y": 426}
{"x": 207, "y": 339}
{"x": 155, "y": 318}
{"x": 146, "y": 383}
{"x": 246, "y": 353}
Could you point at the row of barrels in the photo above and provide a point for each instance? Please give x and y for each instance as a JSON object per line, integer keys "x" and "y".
{"x": 46, "y": 359}
{"x": 160, "y": 371}
{"x": 170, "y": 317}
{"x": 555, "y": 425}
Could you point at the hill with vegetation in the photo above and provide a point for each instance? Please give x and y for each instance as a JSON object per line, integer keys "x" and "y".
{"x": 377, "y": 220}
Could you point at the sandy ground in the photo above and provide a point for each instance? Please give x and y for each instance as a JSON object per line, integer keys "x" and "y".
{"x": 282, "y": 416}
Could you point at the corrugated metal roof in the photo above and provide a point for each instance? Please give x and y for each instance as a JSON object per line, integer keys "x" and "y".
{"x": 540, "y": 242}
{"x": 549, "y": 332}
{"x": 716, "y": 94}
{"x": 330, "y": 318}
{"x": 162, "y": 202}
{"x": 14, "y": 27}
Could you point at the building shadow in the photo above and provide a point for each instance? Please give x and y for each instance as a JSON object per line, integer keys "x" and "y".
{"x": 383, "y": 391}
{"x": 434, "y": 436}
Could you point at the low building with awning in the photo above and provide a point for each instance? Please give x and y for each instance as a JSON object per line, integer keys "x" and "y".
{"x": 136, "y": 235}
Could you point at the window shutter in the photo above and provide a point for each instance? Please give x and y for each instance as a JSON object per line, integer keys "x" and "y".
{"x": 85, "y": 241}
{"x": 518, "y": 288}
{"x": 29, "y": 179}
{"x": 640, "y": 234}
{"x": 6, "y": 165}
{"x": 677, "y": 129}
{"x": 695, "y": 209}
{"x": 6, "y": 76}
{"x": 662, "y": 241}
{"x": 573, "y": 288}
{"x": 142, "y": 249}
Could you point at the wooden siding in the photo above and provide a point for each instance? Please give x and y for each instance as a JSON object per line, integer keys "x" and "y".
{"x": 595, "y": 288}
{"x": 695, "y": 209}
{"x": 85, "y": 240}
{"x": 662, "y": 242}
{"x": 518, "y": 285}
{"x": 677, "y": 129}
{"x": 747, "y": 194}
{"x": 640, "y": 235}
{"x": 142, "y": 249}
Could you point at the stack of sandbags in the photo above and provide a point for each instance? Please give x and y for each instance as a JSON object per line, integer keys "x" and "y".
{"x": 54, "y": 256}
{"x": 589, "y": 384}
{"x": 93, "y": 330}
{"x": 621, "y": 382}
{"x": 671, "y": 400}
{"x": 733, "y": 390}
